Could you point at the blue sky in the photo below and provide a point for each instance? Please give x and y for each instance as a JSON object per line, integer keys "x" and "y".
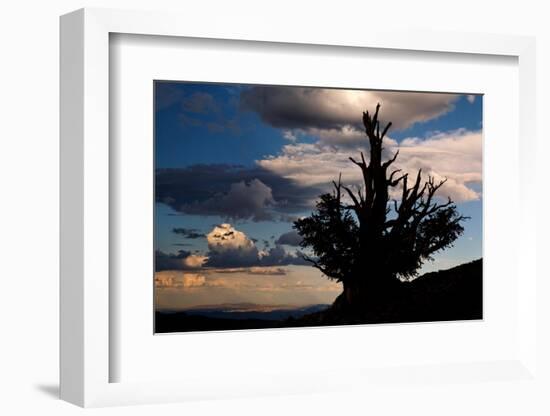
{"x": 248, "y": 141}
{"x": 254, "y": 158}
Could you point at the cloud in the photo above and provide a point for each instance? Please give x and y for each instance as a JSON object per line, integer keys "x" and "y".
{"x": 455, "y": 155}
{"x": 190, "y": 233}
{"x": 311, "y": 165}
{"x": 164, "y": 261}
{"x": 195, "y": 261}
{"x": 182, "y": 260}
{"x": 333, "y": 116}
{"x": 324, "y": 108}
{"x": 292, "y": 238}
{"x": 282, "y": 186}
{"x": 289, "y": 135}
{"x": 243, "y": 200}
{"x": 172, "y": 279}
{"x": 220, "y": 279}
{"x": 215, "y": 189}
{"x": 471, "y": 98}
{"x": 254, "y": 270}
{"x": 347, "y": 136}
{"x": 230, "y": 248}
{"x": 195, "y": 265}
{"x": 279, "y": 256}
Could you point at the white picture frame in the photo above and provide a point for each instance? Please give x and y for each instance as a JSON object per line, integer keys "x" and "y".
{"x": 85, "y": 211}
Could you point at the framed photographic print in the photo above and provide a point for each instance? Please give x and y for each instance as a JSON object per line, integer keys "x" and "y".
{"x": 236, "y": 207}
{"x": 286, "y": 206}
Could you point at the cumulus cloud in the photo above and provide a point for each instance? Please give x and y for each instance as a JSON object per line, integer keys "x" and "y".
{"x": 291, "y": 181}
{"x": 172, "y": 279}
{"x": 289, "y": 135}
{"x": 311, "y": 165}
{"x": 455, "y": 155}
{"x": 169, "y": 261}
{"x": 195, "y": 261}
{"x": 198, "y": 190}
{"x": 324, "y": 108}
{"x": 333, "y": 116}
{"x": 279, "y": 256}
{"x": 291, "y": 238}
{"x": 182, "y": 260}
{"x": 243, "y": 200}
{"x": 230, "y": 248}
{"x": 347, "y": 136}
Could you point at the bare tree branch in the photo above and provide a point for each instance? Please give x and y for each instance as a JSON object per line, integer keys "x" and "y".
{"x": 389, "y": 162}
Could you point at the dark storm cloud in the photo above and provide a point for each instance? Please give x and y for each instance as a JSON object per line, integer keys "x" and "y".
{"x": 226, "y": 259}
{"x": 232, "y": 192}
{"x": 233, "y": 258}
{"x": 169, "y": 261}
{"x": 292, "y": 238}
{"x": 244, "y": 200}
{"x": 275, "y": 256}
{"x": 190, "y": 233}
{"x": 288, "y": 107}
{"x": 327, "y": 109}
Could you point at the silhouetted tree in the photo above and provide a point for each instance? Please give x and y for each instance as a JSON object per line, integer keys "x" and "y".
{"x": 368, "y": 241}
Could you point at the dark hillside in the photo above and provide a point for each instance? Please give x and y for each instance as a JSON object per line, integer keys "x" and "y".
{"x": 445, "y": 295}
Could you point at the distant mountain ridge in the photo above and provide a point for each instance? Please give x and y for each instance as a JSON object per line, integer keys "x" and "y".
{"x": 271, "y": 313}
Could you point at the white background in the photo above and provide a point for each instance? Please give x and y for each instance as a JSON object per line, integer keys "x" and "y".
{"x": 29, "y": 208}
{"x": 138, "y": 60}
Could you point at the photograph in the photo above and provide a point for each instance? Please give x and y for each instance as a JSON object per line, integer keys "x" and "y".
{"x": 302, "y": 206}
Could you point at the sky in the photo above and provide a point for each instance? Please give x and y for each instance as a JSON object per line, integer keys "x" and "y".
{"x": 236, "y": 164}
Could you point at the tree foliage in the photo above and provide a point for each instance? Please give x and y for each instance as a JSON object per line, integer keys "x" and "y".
{"x": 364, "y": 238}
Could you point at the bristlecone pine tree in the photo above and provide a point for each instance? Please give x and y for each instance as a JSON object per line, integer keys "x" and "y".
{"x": 370, "y": 242}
